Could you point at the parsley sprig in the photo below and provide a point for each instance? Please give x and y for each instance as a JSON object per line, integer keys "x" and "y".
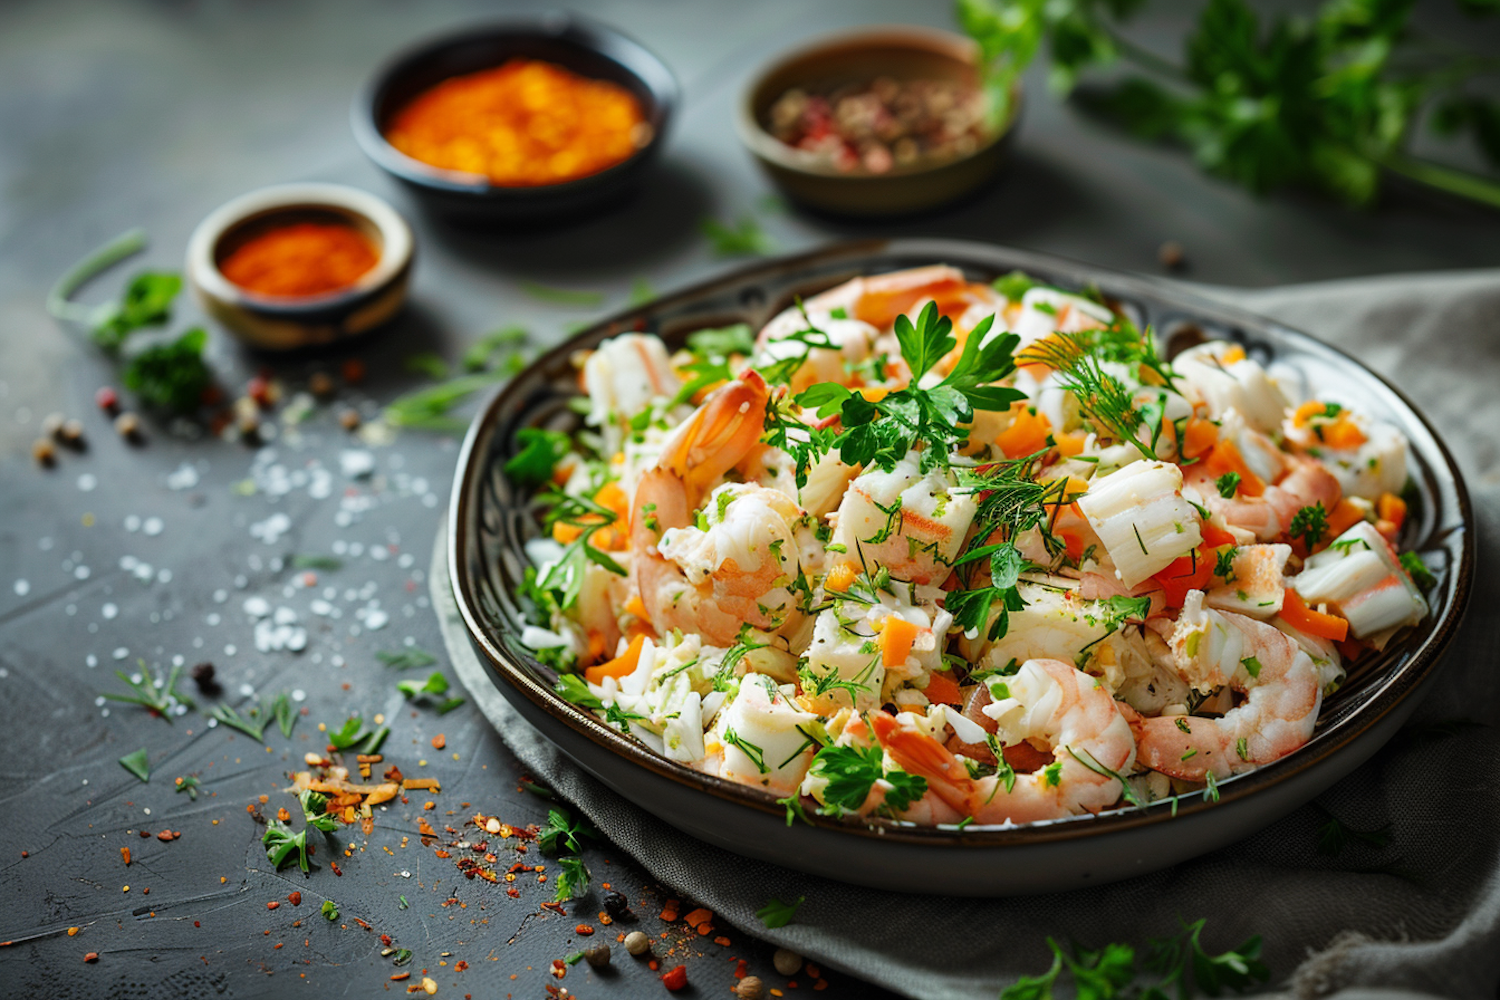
{"x": 851, "y": 772}
{"x": 1178, "y": 965}
{"x": 882, "y": 432}
{"x": 1329, "y": 99}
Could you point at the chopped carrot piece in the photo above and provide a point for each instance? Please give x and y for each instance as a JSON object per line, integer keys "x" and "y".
{"x": 1308, "y": 410}
{"x": 1069, "y": 445}
{"x": 1026, "y": 435}
{"x": 1225, "y": 457}
{"x": 840, "y": 578}
{"x": 943, "y": 689}
{"x": 1345, "y": 515}
{"x": 1072, "y": 544}
{"x": 1296, "y": 613}
{"x": 620, "y": 666}
{"x": 896, "y": 638}
{"x": 1390, "y": 507}
{"x": 1343, "y": 435}
{"x": 636, "y": 606}
{"x": 1199, "y": 437}
{"x": 1215, "y": 536}
{"x": 564, "y": 533}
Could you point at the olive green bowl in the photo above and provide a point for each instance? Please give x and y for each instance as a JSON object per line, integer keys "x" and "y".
{"x": 283, "y": 323}
{"x": 905, "y": 53}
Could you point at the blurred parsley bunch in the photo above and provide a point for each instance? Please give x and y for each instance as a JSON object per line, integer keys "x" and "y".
{"x": 1328, "y": 101}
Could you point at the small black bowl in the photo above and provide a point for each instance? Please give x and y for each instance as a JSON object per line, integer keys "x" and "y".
{"x": 585, "y": 47}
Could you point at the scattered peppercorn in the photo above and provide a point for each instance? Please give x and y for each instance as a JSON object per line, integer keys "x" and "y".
{"x": 128, "y": 426}
{"x": 107, "y": 399}
{"x": 787, "y": 962}
{"x": 52, "y": 425}
{"x": 750, "y": 988}
{"x": 321, "y": 385}
{"x": 349, "y": 419}
{"x": 273, "y": 904}
{"x": 1170, "y": 254}
{"x": 248, "y": 425}
{"x": 637, "y": 943}
{"x": 597, "y": 956}
{"x": 353, "y": 371}
{"x": 617, "y": 906}
{"x": 676, "y": 979}
{"x": 203, "y": 676}
{"x": 71, "y": 433}
{"x": 44, "y": 452}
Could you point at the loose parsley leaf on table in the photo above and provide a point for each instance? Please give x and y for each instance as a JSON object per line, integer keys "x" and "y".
{"x": 573, "y": 880}
{"x": 563, "y": 832}
{"x": 281, "y": 845}
{"x": 138, "y": 764}
{"x": 743, "y": 238}
{"x": 1334, "y": 834}
{"x": 152, "y": 693}
{"x": 171, "y": 376}
{"x": 352, "y": 736}
{"x": 778, "y": 914}
{"x": 406, "y": 658}
{"x": 252, "y": 724}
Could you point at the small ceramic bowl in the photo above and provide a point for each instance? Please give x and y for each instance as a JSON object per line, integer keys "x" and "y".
{"x": 902, "y": 52}
{"x": 490, "y": 521}
{"x": 583, "y": 46}
{"x": 280, "y": 323}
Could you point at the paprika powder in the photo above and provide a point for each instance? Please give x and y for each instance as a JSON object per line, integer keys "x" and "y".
{"x": 301, "y": 259}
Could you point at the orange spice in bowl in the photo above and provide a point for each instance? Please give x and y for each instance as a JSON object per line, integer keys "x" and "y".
{"x": 300, "y": 259}
{"x": 525, "y": 123}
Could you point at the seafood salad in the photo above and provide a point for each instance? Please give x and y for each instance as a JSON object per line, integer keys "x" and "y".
{"x": 946, "y": 552}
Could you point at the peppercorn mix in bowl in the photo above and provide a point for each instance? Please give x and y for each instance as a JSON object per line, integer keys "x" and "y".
{"x": 878, "y": 123}
{"x": 298, "y": 265}
{"x": 527, "y": 119}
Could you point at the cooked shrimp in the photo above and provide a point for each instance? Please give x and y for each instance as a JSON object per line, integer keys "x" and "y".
{"x": 710, "y": 443}
{"x": 1063, "y": 707}
{"x": 1269, "y": 516}
{"x": 1283, "y": 694}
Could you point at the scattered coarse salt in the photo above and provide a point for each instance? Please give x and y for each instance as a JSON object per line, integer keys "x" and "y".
{"x": 22, "y": 588}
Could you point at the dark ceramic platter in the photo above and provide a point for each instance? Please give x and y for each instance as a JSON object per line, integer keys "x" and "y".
{"x": 489, "y": 523}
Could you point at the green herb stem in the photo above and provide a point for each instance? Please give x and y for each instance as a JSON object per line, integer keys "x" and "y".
{"x": 125, "y": 245}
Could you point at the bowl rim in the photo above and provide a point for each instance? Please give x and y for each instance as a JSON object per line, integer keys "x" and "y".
{"x": 561, "y": 26}
{"x": 398, "y": 245}
{"x": 1390, "y": 693}
{"x": 936, "y": 41}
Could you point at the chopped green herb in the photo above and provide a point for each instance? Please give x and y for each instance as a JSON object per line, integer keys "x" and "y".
{"x": 481, "y": 354}
{"x": 190, "y": 785}
{"x": 562, "y": 296}
{"x": 281, "y": 844}
{"x": 1228, "y": 484}
{"x": 153, "y": 694}
{"x": 316, "y": 562}
{"x": 427, "y": 409}
{"x": 138, "y": 764}
{"x": 1310, "y": 524}
{"x": 573, "y": 880}
{"x": 778, "y": 914}
{"x": 540, "y": 451}
{"x": 405, "y": 659}
{"x": 171, "y": 376}
{"x": 252, "y": 725}
{"x": 743, "y": 238}
{"x": 330, "y": 910}
{"x": 1418, "y": 571}
{"x": 428, "y": 363}
{"x": 1334, "y": 835}
{"x": 562, "y": 832}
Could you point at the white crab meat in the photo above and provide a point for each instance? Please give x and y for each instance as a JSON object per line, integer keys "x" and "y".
{"x": 764, "y": 737}
{"x": 1141, "y": 518}
{"x": 1257, "y": 586}
{"x": 1045, "y": 311}
{"x": 1219, "y": 375}
{"x": 910, "y": 522}
{"x": 1359, "y": 573}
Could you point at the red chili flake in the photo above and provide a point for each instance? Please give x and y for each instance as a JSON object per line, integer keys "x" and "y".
{"x": 295, "y": 899}
{"x": 676, "y": 979}
{"x": 92, "y": 956}
{"x": 583, "y": 930}
{"x": 353, "y": 371}
{"x": 439, "y": 741}
{"x": 165, "y": 836}
{"x": 385, "y": 939}
{"x": 558, "y": 907}
{"x": 513, "y": 893}
{"x": 398, "y": 977}
{"x": 107, "y": 399}
{"x": 25, "y": 854}
{"x": 196, "y": 924}
{"x": 273, "y": 904}
{"x": 124, "y": 853}
{"x": 442, "y": 854}
{"x": 147, "y": 833}
{"x": 334, "y": 865}
{"x": 366, "y": 926}
{"x": 741, "y": 969}
{"x": 259, "y": 389}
